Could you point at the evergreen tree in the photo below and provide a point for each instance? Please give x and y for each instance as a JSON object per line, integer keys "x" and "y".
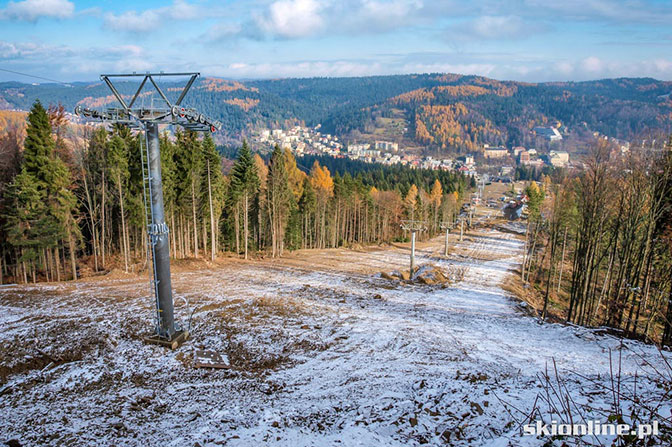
{"x": 279, "y": 200}
{"x": 307, "y": 207}
{"x": 117, "y": 160}
{"x": 38, "y": 148}
{"x": 52, "y": 181}
{"x": 244, "y": 187}
{"x": 212, "y": 192}
{"x": 27, "y": 221}
{"x": 260, "y": 202}
{"x": 189, "y": 162}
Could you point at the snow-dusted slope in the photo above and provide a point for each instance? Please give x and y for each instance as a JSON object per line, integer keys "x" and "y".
{"x": 324, "y": 352}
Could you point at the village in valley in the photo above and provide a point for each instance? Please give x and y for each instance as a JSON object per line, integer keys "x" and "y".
{"x": 495, "y": 162}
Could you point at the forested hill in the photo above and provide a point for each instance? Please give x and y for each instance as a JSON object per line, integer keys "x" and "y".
{"x": 441, "y": 110}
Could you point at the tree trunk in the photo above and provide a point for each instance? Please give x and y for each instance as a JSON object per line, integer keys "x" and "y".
{"x": 212, "y": 218}
{"x": 92, "y": 220}
{"x": 193, "y": 210}
{"x": 102, "y": 221}
{"x": 58, "y": 264}
{"x": 123, "y": 224}
{"x": 73, "y": 256}
{"x": 237, "y": 222}
{"x": 245, "y": 219}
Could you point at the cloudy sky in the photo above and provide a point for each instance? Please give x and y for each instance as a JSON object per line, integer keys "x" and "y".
{"x": 529, "y": 40}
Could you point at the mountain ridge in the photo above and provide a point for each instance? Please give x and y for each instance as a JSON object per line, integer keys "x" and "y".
{"x": 445, "y": 111}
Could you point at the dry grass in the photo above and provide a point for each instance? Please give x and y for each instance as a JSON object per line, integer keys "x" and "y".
{"x": 533, "y": 298}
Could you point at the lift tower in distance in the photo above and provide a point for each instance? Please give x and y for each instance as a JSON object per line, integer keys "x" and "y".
{"x": 413, "y": 226}
{"x": 148, "y": 119}
{"x": 447, "y": 226}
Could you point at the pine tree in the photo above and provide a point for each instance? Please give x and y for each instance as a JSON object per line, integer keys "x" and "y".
{"x": 244, "y": 186}
{"x": 53, "y": 182}
{"x": 189, "y": 162}
{"x": 27, "y": 220}
{"x": 279, "y": 200}
{"x": 38, "y": 147}
{"x": 117, "y": 160}
{"x": 212, "y": 191}
{"x": 307, "y": 206}
{"x": 260, "y": 201}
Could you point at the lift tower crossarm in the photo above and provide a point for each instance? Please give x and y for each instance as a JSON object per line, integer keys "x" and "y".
{"x": 115, "y": 92}
{"x": 142, "y": 84}
{"x": 186, "y": 89}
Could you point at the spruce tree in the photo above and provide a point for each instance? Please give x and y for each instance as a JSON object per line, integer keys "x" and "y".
{"x": 188, "y": 165}
{"x": 307, "y": 207}
{"x": 117, "y": 160}
{"x": 38, "y": 147}
{"x": 52, "y": 180}
{"x": 244, "y": 186}
{"x": 212, "y": 191}
{"x": 279, "y": 199}
{"x": 26, "y": 220}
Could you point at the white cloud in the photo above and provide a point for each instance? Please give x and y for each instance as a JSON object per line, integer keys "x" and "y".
{"x": 343, "y": 68}
{"x": 301, "y": 69}
{"x": 73, "y": 63}
{"x": 375, "y": 15}
{"x": 592, "y": 64}
{"x": 150, "y": 19}
{"x": 32, "y": 10}
{"x": 589, "y": 68}
{"x": 296, "y": 19}
{"x": 121, "y": 51}
{"x": 292, "y": 18}
{"x": 35, "y": 51}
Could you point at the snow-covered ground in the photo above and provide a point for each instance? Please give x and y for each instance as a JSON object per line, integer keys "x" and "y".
{"x": 323, "y": 352}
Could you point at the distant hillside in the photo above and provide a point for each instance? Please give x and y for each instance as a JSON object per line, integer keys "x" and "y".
{"x": 443, "y": 111}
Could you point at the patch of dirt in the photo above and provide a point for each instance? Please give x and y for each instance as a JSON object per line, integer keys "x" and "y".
{"x": 428, "y": 274}
{"x": 45, "y": 349}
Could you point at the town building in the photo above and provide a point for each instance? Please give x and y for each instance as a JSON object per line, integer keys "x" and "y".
{"x": 386, "y": 146}
{"x": 495, "y": 152}
{"x": 558, "y": 159}
{"x": 548, "y": 133}
{"x": 523, "y": 157}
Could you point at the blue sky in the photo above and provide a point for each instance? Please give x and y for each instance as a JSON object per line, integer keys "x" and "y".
{"x": 527, "y": 40}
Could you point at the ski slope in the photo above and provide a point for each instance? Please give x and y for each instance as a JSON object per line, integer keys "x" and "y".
{"x": 323, "y": 351}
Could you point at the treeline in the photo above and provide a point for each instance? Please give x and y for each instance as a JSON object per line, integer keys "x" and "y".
{"x": 599, "y": 249}
{"x": 73, "y": 203}
{"x": 398, "y": 177}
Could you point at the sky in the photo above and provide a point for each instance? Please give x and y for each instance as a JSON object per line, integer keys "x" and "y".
{"x": 524, "y": 40}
